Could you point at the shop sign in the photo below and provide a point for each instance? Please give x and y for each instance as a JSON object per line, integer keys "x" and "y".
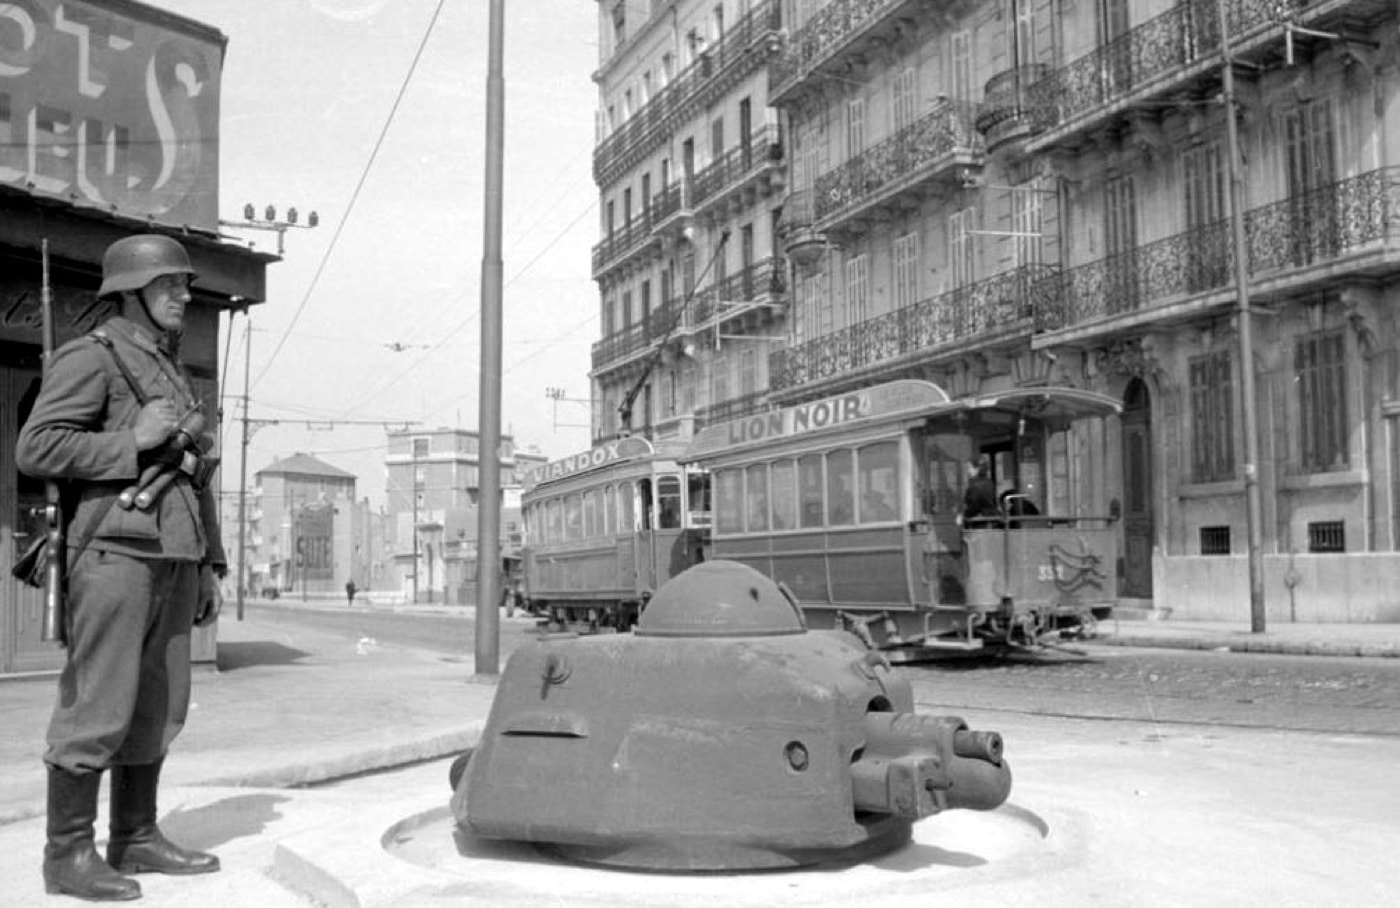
{"x": 111, "y": 104}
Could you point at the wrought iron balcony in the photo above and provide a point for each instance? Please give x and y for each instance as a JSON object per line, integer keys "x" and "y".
{"x": 1154, "y": 57}
{"x": 835, "y": 27}
{"x": 622, "y": 243}
{"x": 762, "y": 283}
{"x": 742, "y": 48}
{"x": 940, "y": 325}
{"x": 1006, "y": 113}
{"x": 757, "y": 153}
{"x": 934, "y": 144}
{"x": 620, "y": 345}
{"x": 1343, "y": 219}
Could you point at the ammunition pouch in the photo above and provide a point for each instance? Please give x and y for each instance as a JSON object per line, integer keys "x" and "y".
{"x": 30, "y": 567}
{"x": 201, "y": 468}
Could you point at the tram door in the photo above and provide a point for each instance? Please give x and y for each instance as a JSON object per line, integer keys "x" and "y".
{"x": 21, "y": 512}
{"x": 935, "y": 542}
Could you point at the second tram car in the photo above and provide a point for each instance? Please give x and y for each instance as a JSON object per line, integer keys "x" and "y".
{"x": 606, "y": 527}
{"x": 856, "y": 503}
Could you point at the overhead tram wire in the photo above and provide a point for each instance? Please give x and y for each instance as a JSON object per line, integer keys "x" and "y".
{"x": 475, "y": 313}
{"x": 354, "y": 196}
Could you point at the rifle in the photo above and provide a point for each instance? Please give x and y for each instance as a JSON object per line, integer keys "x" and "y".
{"x": 54, "y": 627}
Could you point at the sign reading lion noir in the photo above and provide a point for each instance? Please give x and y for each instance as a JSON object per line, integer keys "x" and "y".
{"x": 890, "y": 399}
{"x": 112, "y": 104}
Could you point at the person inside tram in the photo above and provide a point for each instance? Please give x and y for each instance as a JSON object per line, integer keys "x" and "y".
{"x": 979, "y": 496}
{"x": 1015, "y": 503}
{"x": 875, "y": 506}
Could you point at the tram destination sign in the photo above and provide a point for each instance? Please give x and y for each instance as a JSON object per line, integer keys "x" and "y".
{"x": 595, "y": 458}
{"x": 893, "y": 399}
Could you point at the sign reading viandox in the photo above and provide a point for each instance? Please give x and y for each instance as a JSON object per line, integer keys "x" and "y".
{"x": 594, "y": 458}
{"x": 891, "y": 399}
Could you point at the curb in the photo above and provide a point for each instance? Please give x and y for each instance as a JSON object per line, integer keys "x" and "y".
{"x": 1248, "y": 645}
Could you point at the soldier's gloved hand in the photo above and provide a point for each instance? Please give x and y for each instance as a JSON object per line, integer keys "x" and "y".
{"x": 211, "y": 598}
{"x": 155, "y": 423}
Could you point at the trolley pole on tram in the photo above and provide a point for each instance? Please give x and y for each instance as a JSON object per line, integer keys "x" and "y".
{"x": 488, "y": 559}
{"x": 1254, "y": 510}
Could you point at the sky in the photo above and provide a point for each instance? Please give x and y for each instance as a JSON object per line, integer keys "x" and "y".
{"x": 373, "y": 315}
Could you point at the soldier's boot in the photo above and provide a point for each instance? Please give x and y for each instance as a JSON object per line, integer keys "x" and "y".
{"x": 71, "y": 863}
{"x": 137, "y": 844}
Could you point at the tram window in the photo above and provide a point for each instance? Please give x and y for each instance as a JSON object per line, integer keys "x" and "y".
{"x": 553, "y": 511}
{"x": 809, "y": 480}
{"x": 756, "y": 497}
{"x": 840, "y": 488}
{"x": 668, "y": 499}
{"x": 590, "y": 514}
{"x": 573, "y": 517}
{"x": 877, "y": 466}
{"x": 729, "y": 496}
{"x": 626, "y": 511}
{"x": 644, "y": 502}
{"x": 783, "y": 479}
{"x": 699, "y": 498}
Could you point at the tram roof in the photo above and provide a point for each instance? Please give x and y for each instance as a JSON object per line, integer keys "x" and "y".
{"x": 1050, "y": 402}
{"x": 623, "y": 450}
{"x": 897, "y": 401}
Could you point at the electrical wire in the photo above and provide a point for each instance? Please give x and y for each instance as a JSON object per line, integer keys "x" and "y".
{"x": 354, "y": 196}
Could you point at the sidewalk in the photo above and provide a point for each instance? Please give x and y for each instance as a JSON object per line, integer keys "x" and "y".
{"x": 1369, "y": 640}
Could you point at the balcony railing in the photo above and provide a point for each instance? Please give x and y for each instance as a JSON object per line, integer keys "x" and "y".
{"x": 671, "y": 200}
{"x": 622, "y": 242}
{"x": 758, "y": 150}
{"x": 646, "y": 124}
{"x": 1004, "y": 301}
{"x": 760, "y": 280}
{"x": 1006, "y": 111}
{"x": 1319, "y": 226}
{"x": 620, "y": 344}
{"x": 933, "y": 139}
{"x": 1184, "y": 34}
{"x": 822, "y": 35}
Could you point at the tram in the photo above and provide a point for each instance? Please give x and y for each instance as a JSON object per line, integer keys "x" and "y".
{"x": 856, "y": 503}
{"x": 606, "y": 527}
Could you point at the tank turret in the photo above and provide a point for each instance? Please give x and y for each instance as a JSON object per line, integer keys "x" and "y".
{"x": 721, "y": 735}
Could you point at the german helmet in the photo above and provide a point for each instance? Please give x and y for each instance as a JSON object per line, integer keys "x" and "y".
{"x": 134, "y": 261}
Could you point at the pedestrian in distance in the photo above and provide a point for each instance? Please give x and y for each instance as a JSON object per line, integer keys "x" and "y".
{"x": 117, "y": 422}
{"x": 350, "y": 592}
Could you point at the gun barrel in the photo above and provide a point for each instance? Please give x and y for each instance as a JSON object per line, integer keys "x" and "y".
{"x": 52, "y": 628}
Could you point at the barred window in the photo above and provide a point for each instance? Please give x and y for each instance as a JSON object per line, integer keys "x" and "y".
{"x": 1212, "y": 417}
{"x": 1319, "y": 365}
{"x": 1215, "y": 540}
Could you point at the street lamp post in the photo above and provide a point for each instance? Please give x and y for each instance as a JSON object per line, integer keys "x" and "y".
{"x": 1254, "y": 509}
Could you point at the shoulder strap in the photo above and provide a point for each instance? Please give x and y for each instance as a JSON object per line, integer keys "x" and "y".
{"x": 101, "y": 337}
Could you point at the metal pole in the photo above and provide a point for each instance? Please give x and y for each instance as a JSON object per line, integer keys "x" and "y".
{"x": 242, "y": 580}
{"x": 488, "y": 558}
{"x": 413, "y": 487}
{"x": 1254, "y": 510}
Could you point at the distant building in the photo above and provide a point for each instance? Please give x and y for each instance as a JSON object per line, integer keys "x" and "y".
{"x": 305, "y": 528}
{"x": 433, "y": 489}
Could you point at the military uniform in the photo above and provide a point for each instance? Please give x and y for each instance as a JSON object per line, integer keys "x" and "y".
{"x": 132, "y": 591}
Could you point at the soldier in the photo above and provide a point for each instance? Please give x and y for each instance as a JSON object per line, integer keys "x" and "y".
{"x": 114, "y": 415}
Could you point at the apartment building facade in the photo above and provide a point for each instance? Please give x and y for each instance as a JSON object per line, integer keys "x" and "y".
{"x": 1002, "y": 194}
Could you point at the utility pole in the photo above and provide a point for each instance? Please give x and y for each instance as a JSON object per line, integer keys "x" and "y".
{"x": 243, "y": 465}
{"x": 488, "y": 557}
{"x": 414, "y": 529}
{"x": 1254, "y": 509}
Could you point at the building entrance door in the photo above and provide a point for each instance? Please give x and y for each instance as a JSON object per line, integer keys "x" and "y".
{"x": 21, "y": 520}
{"x": 1138, "y": 518}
